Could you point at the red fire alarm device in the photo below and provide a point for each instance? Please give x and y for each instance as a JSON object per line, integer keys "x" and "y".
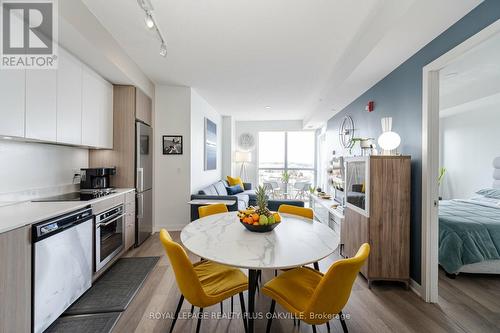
{"x": 370, "y": 106}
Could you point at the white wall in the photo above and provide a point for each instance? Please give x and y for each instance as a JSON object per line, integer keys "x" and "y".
{"x": 228, "y": 145}
{"x": 254, "y": 127}
{"x": 469, "y": 143}
{"x": 181, "y": 111}
{"x": 172, "y": 172}
{"x": 35, "y": 166}
{"x": 200, "y": 110}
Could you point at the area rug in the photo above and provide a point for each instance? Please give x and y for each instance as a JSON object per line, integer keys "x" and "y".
{"x": 93, "y": 323}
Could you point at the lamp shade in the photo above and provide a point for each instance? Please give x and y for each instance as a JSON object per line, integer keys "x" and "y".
{"x": 389, "y": 140}
{"x": 243, "y": 156}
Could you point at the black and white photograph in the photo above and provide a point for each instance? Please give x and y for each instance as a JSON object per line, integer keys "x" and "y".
{"x": 172, "y": 145}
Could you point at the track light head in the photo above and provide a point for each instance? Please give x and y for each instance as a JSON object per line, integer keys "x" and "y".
{"x": 150, "y": 23}
{"x": 163, "y": 50}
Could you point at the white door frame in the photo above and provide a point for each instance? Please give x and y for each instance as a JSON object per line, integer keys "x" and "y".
{"x": 430, "y": 159}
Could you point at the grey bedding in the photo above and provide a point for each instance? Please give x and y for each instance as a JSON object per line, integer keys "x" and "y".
{"x": 469, "y": 232}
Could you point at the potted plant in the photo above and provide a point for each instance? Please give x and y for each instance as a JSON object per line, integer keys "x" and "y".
{"x": 285, "y": 177}
{"x": 364, "y": 143}
{"x": 442, "y": 173}
{"x": 312, "y": 189}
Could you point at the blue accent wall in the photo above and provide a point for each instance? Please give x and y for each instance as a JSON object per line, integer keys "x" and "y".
{"x": 399, "y": 95}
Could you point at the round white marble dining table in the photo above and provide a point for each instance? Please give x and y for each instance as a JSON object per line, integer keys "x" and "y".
{"x": 294, "y": 242}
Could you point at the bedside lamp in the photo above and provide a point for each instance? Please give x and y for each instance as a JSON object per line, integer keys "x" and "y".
{"x": 243, "y": 157}
{"x": 389, "y": 141}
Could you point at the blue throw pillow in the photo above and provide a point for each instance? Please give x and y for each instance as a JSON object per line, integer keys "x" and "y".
{"x": 235, "y": 189}
{"x": 490, "y": 193}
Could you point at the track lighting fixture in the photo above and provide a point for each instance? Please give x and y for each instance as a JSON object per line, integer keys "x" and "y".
{"x": 151, "y": 24}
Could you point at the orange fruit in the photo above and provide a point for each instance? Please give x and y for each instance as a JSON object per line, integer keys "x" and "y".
{"x": 277, "y": 217}
{"x": 256, "y": 223}
{"x": 248, "y": 219}
{"x": 255, "y": 217}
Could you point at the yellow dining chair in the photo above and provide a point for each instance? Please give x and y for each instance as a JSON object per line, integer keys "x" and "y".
{"x": 298, "y": 211}
{"x": 204, "y": 283}
{"x": 294, "y": 210}
{"x": 212, "y": 209}
{"x": 313, "y": 297}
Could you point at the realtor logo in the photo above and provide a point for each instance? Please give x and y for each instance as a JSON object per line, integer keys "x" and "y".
{"x": 29, "y": 32}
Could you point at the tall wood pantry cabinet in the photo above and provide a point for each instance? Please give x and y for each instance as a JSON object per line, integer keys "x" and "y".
{"x": 378, "y": 212}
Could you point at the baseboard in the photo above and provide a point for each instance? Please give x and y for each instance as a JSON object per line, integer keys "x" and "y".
{"x": 416, "y": 288}
{"x": 172, "y": 227}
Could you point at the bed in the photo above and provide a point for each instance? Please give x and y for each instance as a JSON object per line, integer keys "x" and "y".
{"x": 469, "y": 231}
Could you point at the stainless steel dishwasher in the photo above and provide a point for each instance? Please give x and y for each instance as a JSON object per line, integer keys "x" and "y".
{"x": 62, "y": 264}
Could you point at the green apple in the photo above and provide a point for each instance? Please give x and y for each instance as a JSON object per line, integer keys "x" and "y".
{"x": 263, "y": 220}
{"x": 271, "y": 220}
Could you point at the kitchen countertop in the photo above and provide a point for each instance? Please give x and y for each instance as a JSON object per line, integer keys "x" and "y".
{"x": 16, "y": 215}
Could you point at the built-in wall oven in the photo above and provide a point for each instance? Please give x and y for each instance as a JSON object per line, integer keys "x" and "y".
{"x": 109, "y": 235}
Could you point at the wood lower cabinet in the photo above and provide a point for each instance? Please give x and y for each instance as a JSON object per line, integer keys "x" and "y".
{"x": 356, "y": 233}
{"x": 386, "y": 224}
{"x": 15, "y": 280}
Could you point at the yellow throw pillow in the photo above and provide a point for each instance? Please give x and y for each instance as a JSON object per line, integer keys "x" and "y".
{"x": 235, "y": 181}
{"x": 363, "y": 188}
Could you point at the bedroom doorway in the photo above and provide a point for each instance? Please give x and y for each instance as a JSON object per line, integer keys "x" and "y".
{"x": 461, "y": 94}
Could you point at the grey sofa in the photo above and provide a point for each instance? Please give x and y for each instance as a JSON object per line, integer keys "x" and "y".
{"x": 217, "y": 191}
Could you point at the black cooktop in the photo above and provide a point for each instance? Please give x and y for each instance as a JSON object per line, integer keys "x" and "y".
{"x": 75, "y": 196}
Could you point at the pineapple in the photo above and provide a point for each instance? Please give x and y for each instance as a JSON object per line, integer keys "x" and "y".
{"x": 262, "y": 201}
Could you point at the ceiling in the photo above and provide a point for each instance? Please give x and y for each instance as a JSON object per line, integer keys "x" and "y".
{"x": 277, "y": 59}
{"x": 472, "y": 79}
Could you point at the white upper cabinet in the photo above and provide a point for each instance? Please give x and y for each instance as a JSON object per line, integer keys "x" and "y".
{"x": 71, "y": 105}
{"x": 97, "y": 111}
{"x": 90, "y": 109}
{"x": 69, "y": 99}
{"x": 41, "y": 104}
{"x": 12, "y": 94}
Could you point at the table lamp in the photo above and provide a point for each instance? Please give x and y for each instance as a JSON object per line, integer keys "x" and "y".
{"x": 389, "y": 141}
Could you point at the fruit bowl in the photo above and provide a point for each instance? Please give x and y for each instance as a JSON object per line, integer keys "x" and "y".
{"x": 255, "y": 222}
{"x": 259, "y": 228}
{"x": 259, "y": 218}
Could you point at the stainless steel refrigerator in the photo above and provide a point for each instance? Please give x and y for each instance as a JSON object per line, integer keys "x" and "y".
{"x": 144, "y": 182}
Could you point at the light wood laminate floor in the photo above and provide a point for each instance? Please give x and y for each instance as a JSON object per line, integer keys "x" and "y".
{"x": 467, "y": 304}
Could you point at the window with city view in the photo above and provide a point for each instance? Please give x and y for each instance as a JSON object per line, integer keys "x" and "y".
{"x": 286, "y": 162}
